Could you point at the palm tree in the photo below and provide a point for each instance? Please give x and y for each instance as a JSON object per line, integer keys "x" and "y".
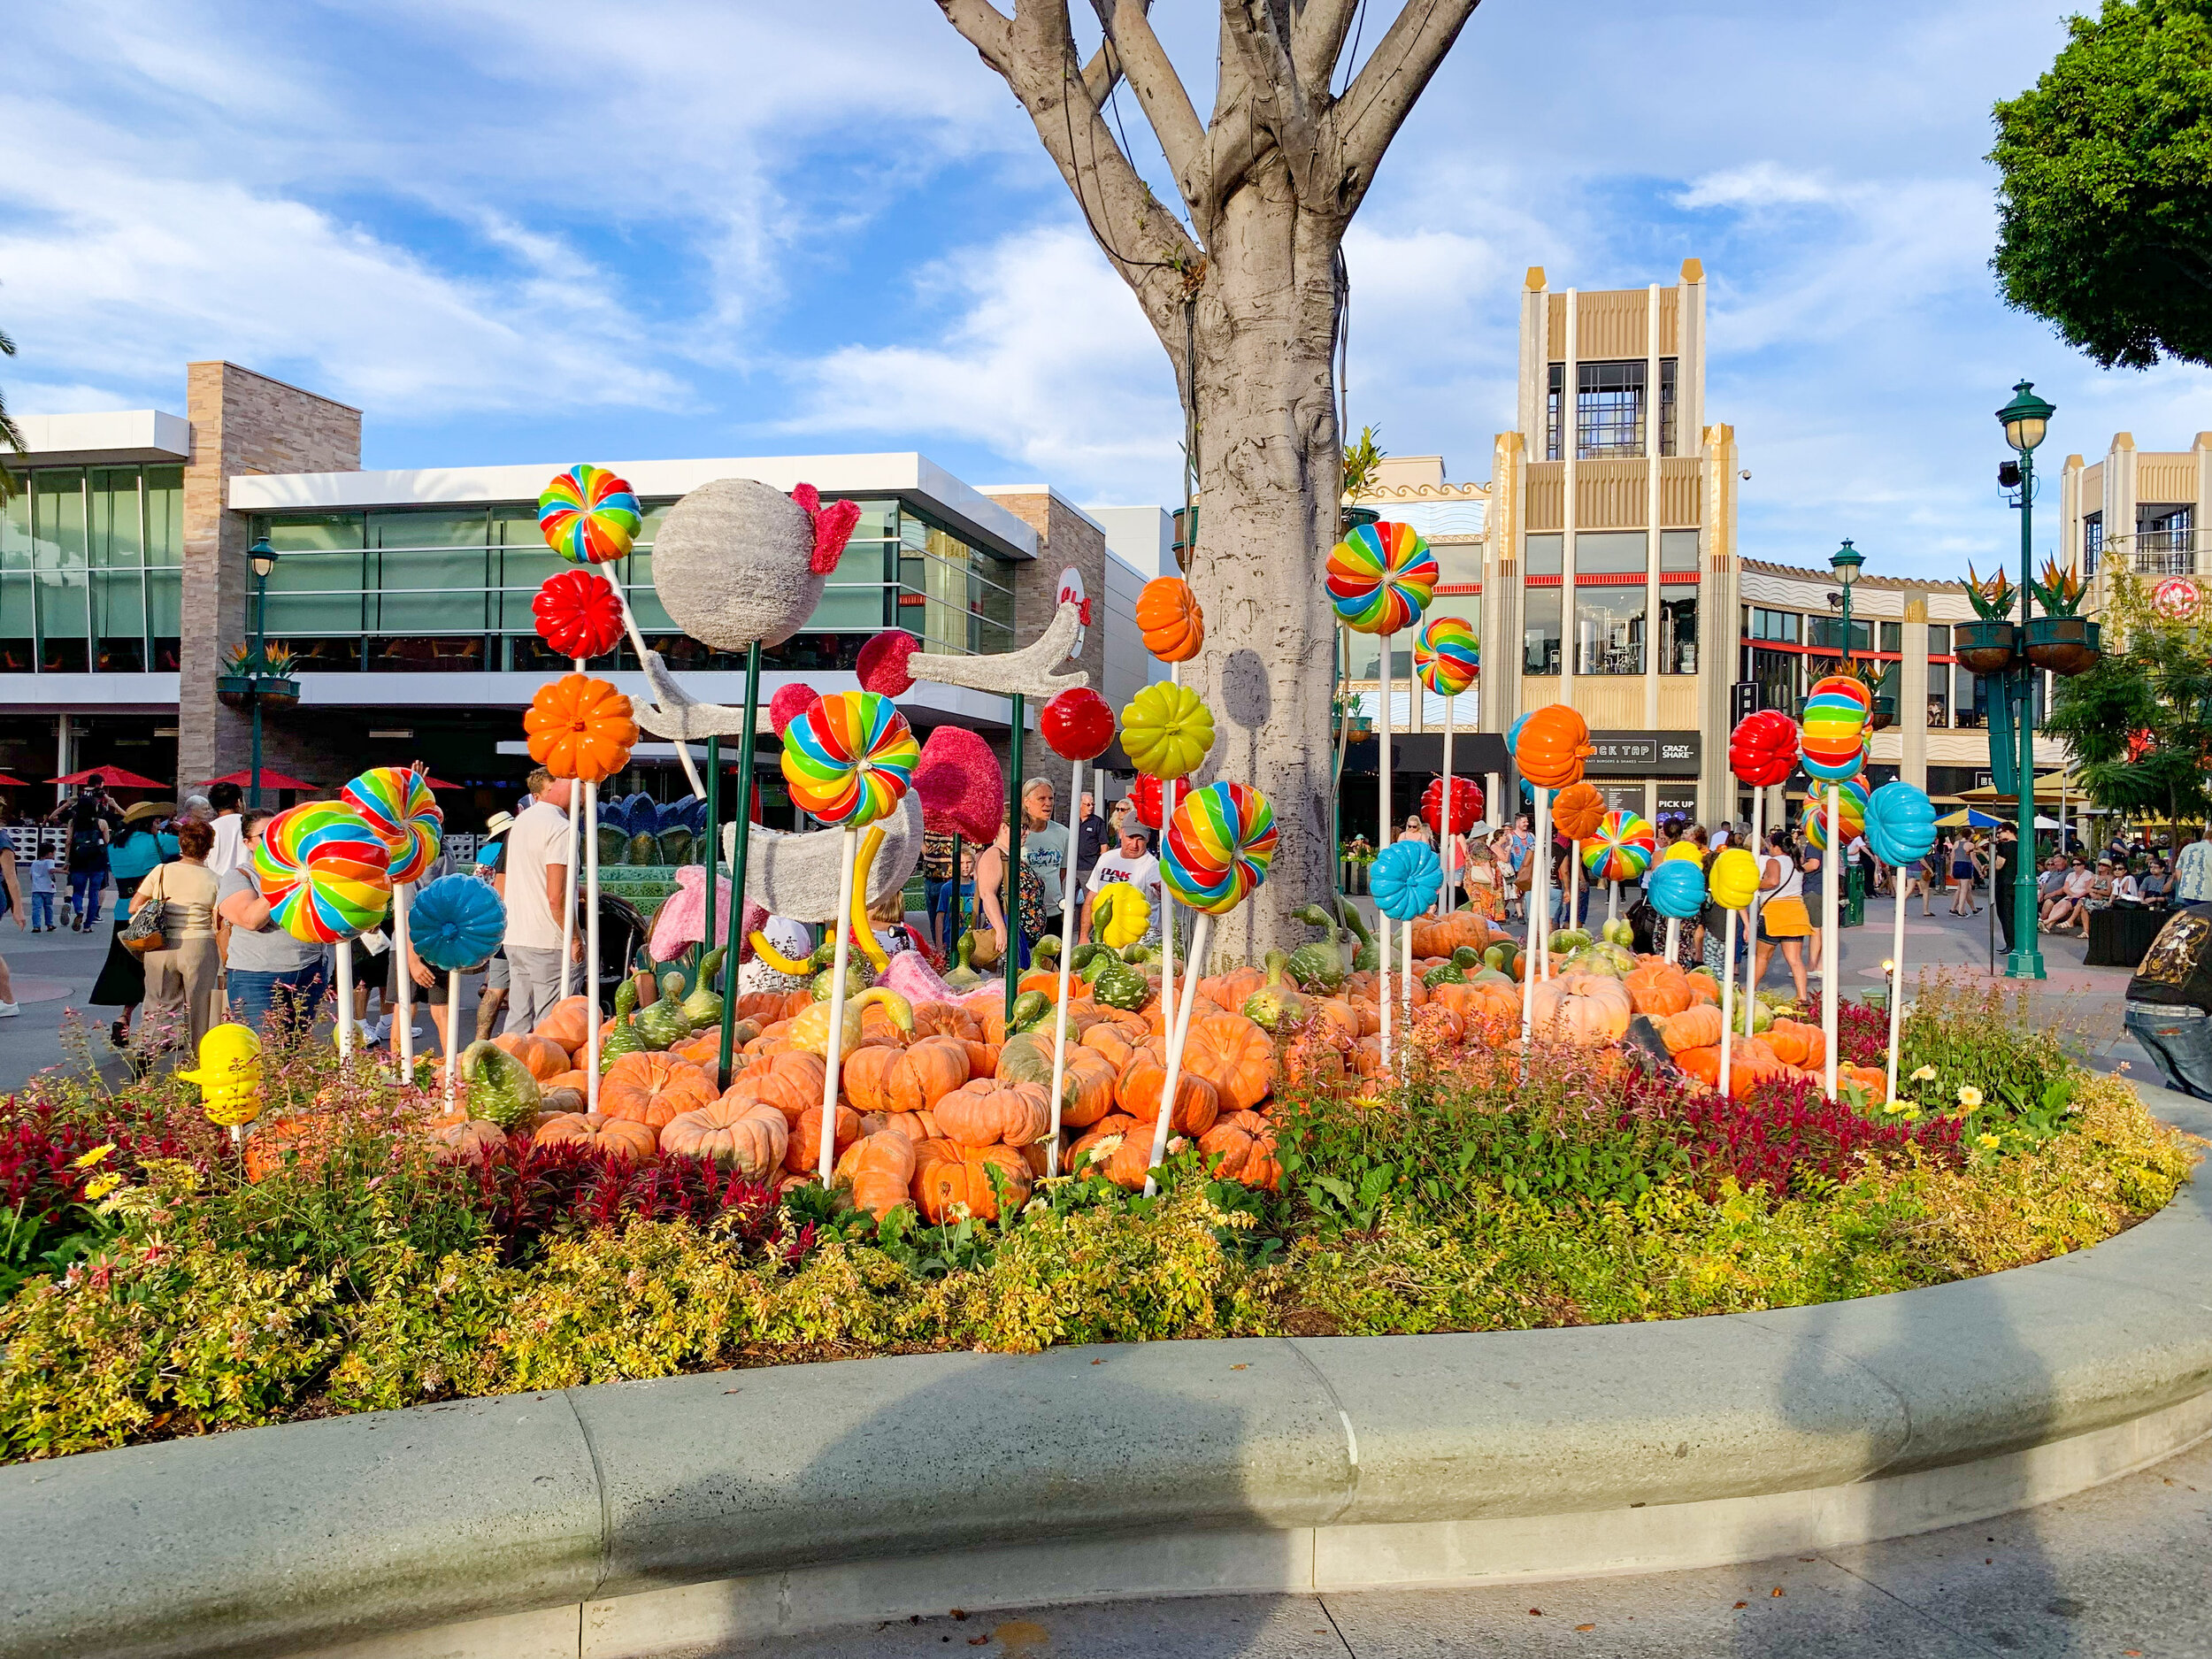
{"x": 11, "y": 434}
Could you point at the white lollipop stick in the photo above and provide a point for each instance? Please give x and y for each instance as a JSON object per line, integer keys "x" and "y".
{"x": 404, "y": 1027}
{"x": 568, "y": 913}
{"x": 1674, "y": 937}
{"x": 1178, "y": 1031}
{"x": 1538, "y": 907}
{"x": 833, "y": 1048}
{"x": 1382, "y": 840}
{"x": 452, "y": 1025}
{"x": 1896, "y": 977}
{"x": 345, "y": 1000}
{"x": 1751, "y": 912}
{"x": 1448, "y": 897}
{"x": 1067, "y": 950}
{"x": 591, "y": 949}
{"x": 1831, "y": 976}
{"x": 1727, "y": 998}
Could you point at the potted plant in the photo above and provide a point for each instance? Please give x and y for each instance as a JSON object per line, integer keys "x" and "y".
{"x": 234, "y": 684}
{"x": 1991, "y": 645}
{"x": 278, "y": 688}
{"x": 2062, "y": 640}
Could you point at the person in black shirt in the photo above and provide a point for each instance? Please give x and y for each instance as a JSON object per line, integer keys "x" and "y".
{"x": 2169, "y": 1006}
{"x": 1093, "y": 837}
{"x": 2002, "y": 894}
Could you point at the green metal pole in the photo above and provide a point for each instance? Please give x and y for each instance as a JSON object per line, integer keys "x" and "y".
{"x": 2025, "y": 961}
{"x": 1013, "y": 900}
{"x": 737, "y": 863}
{"x": 714, "y": 834}
{"x": 260, "y": 647}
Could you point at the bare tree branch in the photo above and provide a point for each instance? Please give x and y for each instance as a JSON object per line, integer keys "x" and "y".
{"x": 1319, "y": 41}
{"x": 983, "y": 26}
{"x": 1167, "y": 106}
{"x": 1269, "y": 100}
{"x": 1376, "y": 104}
{"x": 1104, "y": 71}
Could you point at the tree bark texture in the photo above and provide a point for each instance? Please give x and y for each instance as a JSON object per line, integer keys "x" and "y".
{"x": 1241, "y": 289}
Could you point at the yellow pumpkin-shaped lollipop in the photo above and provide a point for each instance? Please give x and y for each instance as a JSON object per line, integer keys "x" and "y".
{"x": 1121, "y": 914}
{"x": 1734, "y": 879}
{"x": 1684, "y": 848}
{"x": 1167, "y": 731}
{"x": 229, "y": 1075}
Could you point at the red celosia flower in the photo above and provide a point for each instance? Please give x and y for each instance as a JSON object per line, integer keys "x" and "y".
{"x": 578, "y": 614}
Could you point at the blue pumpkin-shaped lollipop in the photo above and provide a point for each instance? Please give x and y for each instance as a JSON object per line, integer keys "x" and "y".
{"x": 456, "y": 923}
{"x": 1678, "y": 888}
{"x": 1899, "y": 824}
{"x": 1405, "y": 880}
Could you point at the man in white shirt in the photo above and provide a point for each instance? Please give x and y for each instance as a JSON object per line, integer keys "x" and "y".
{"x": 536, "y": 865}
{"x": 1132, "y": 866}
{"x": 230, "y": 851}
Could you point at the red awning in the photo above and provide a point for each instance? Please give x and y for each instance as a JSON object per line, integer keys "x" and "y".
{"x": 7, "y": 782}
{"x": 114, "y": 777}
{"x": 270, "y": 778}
{"x": 440, "y": 783}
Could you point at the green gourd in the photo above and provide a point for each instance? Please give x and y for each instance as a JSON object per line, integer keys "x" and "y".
{"x": 1031, "y": 1009}
{"x": 663, "y": 1026}
{"x": 709, "y": 971}
{"x": 962, "y": 975}
{"x": 625, "y": 999}
{"x": 623, "y": 1038}
{"x": 702, "y": 1008}
{"x": 858, "y": 978}
{"x": 1444, "y": 973}
{"x": 1119, "y": 984}
{"x": 1466, "y": 958}
{"x": 1275, "y": 1006}
{"x": 501, "y": 1087}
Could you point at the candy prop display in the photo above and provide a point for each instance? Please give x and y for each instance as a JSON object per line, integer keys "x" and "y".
{"x": 1553, "y": 743}
{"x": 1678, "y": 893}
{"x": 577, "y": 614}
{"x": 788, "y": 704}
{"x": 398, "y": 805}
{"x": 1900, "y": 828}
{"x": 588, "y": 516}
{"x": 229, "y": 1077}
{"x": 1404, "y": 879}
{"x": 1167, "y": 731}
{"x": 1145, "y": 791}
{"x": 327, "y": 877}
{"x": 1762, "y": 748}
{"x": 1169, "y": 621}
{"x": 1220, "y": 841}
{"x": 960, "y": 784}
{"x": 1577, "y": 810}
{"x": 881, "y": 664}
{"x": 1445, "y": 655}
{"x": 1836, "y": 713}
{"x": 1381, "y": 578}
{"x": 1078, "y": 727}
{"x": 1121, "y": 915}
{"x": 1733, "y": 880}
{"x": 1853, "y": 798}
{"x": 457, "y": 924}
{"x": 1620, "y": 848}
{"x": 1683, "y": 851}
{"x": 580, "y": 727}
{"x": 849, "y": 759}
{"x": 1467, "y": 804}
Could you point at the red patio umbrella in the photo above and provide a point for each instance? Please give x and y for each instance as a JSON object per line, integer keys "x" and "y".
{"x": 114, "y": 777}
{"x": 440, "y": 783}
{"x": 7, "y": 782}
{"x": 270, "y": 779}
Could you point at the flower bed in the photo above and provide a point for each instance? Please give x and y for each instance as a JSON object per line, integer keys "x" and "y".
{"x": 370, "y": 1251}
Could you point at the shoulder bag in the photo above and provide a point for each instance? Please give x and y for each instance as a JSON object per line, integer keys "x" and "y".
{"x": 142, "y": 933}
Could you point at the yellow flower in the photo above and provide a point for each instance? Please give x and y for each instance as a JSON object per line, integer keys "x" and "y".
{"x": 101, "y": 1185}
{"x": 1924, "y": 1074}
{"x": 1970, "y": 1096}
{"x": 1988, "y": 1144}
{"x": 1890, "y": 1109}
{"x": 93, "y": 1157}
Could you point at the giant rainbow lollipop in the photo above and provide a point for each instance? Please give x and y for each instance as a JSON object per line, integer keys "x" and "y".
{"x": 397, "y": 803}
{"x": 1852, "y": 802}
{"x": 849, "y": 758}
{"x": 1445, "y": 655}
{"x": 324, "y": 872}
{"x": 1836, "y": 712}
{"x": 1215, "y": 855}
{"x": 1620, "y": 848}
{"x": 588, "y": 516}
{"x": 1381, "y": 578}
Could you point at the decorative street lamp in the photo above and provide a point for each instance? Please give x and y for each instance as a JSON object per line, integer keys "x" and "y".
{"x": 2026, "y": 419}
{"x": 264, "y": 558}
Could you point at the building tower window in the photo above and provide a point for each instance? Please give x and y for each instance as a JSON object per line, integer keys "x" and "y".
{"x": 1667, "y": 440}
{"x": 2092, "y": 543}
{"x": 1554, "y": 383}
{"x": 2162, "y": 540}
{"x": 1609, "y": 410}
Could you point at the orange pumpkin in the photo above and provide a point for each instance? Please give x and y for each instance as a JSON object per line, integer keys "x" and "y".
{"x": 790, "y": 1080}
{"x": 1169, "y": 621}
{"x": 987, "y": 1112}
{"x": 652, "y": 1088}
{"x": 946, "y": 1174}
{"x": 913, "y": 1125}
{"x": 1235, "y": 1056}
{"x": 577, "y": 1080}
{"x": 1696, "y": 1027}
{"x": 982, "y": 1057}
{"x": 765, "y": 1008}
{"x": 275, "y": 1141}
{"x": 568, "y": 1023}
{"x": 944, "y": 1019}
{"x": 1229, "y": 990}
{"x": 1872, "y": 1079}
{"x": 1554, "y": 741}
{"x": 1244, "y": 1143}
{"x": 880, "y": 1167}
{"x": 1313, "y": 1064}
{"x": 739, "y": 1133}
{"x": 1086, "y": 1090}
{"x": 1576, "y": 809}
{"x": 1795, "y": 1043}
{"x": 1144, "y": 1080}
{"x": 623, "y": 1137}
{"x": 1657, "y": 988}
{"x": 803, "y": 1155}
{"x": 542, "y": 1058}
{"x": 905, "y": 1080}
{"x": 472, "y": 1138}
{"x": 1585, "y": 1010}
{"x": 580, "y": 727}
{"x": 1110, "y": 1042}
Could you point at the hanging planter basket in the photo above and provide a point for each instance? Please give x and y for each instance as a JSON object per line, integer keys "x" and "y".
{"x": 2064, "y": 645}
{"x": 279, "y": 693}
{"x": 1986, "y": 647}
{"x": 235, "y": 690}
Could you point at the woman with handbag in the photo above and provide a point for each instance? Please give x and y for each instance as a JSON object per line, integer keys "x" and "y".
{"x": 141, "y": 846}
{"x": 172, "y": 927}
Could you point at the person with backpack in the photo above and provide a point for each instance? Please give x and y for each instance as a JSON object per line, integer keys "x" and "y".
{"x": 87, "y": 855}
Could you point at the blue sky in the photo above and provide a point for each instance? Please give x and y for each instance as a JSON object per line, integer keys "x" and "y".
{"x": 546, "y": 232}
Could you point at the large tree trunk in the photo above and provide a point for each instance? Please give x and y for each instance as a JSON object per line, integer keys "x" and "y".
{"x": 1270, "y": 470}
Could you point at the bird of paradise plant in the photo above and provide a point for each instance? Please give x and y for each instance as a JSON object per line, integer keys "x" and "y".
{"x": 2061, "y": 591}
{"x": 1992, "y": 596}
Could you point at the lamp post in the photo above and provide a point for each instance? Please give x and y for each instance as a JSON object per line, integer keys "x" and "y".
{"x": 264, "y": 558}
{"x": 1844, "y": 561}
{"x": 2025, "y": 419}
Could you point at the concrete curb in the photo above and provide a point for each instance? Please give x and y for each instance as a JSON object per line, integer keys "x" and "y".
{"x": 659, "y": 1517}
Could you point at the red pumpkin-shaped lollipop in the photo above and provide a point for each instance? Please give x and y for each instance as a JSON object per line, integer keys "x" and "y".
{"x": 1078, "y": 724}
{"x": 1762, "y": 748}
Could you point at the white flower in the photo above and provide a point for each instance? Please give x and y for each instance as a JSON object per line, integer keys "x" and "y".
{"x": 1970, "y": 1096}
{"x": 1924, "y": 1074}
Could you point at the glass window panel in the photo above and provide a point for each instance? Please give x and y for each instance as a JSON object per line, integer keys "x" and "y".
{"x": 1776, "y": 674}
{"x": 314, "y": 593}
{"x": 424, "y": 561}
{"x": 1609, "y": 553}
{"x": 1668, "y": 442}
{"x": 426, "y": 654}
{"x": 122, "y": 654}
{"x": 649, "y": 521}
{"x": 1892, "y": 636}
{"x": 1825, "y": 633}
{"x": 645, "y": 603}
{"x": 1553, "y": 383}
{"x": 1608, "y": 631}
{"x": 119, "y": 606}
{"x": 1457, "y": 562}
{"x": 1969, "y": 703}
{"x": 1367, "y": 659}
{"x": 316, "y": 532}
{"x": 1939, "y": 639}
{"x": 115, "y": 531}
{"x": 523, "y": 570}
{"x": 879, "y": 521}
{"x": 1608, "y": 409}
{"x": 1678, "y": 550}
{"x": 843, "y": 607}
{"x": 332, "y": 655}
{"x": 429, "y": 529}
{"x": 164, "y": 515}
{"x": 15, "y": 531}
{"x": 164, "y": 617}
{"x": 1544, "y": 554}
{"x": 1939, "y": 700}
{"x": 1540, "y": 629}
{"x": 1678, "y": 630}
{"x": 18, "y": 650}
{"x": 57, "y": 558}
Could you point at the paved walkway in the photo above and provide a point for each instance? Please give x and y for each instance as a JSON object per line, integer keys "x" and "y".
{"x": 2122, "y": 1570}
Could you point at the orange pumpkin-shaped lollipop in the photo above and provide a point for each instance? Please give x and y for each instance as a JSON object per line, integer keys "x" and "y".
{"x": 1169, "y": 620}
{"x": 1576, "y": 809}
{"x": 1553, "y": 742}
{"x": 580, "y": 727}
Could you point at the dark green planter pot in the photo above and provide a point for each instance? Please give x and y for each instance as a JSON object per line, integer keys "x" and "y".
{"x": 279, "y": 694}
{"x": 1986, "y": 647}
{"x": 2064, "y": 645}
{"x": 235, "y": 690}
{"x": 1355, "y": 516}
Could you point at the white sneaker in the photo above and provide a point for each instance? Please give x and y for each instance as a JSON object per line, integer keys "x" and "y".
{"x": 8, "y": 1010}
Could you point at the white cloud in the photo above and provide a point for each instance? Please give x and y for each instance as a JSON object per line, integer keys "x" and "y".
{"x": 1761, "y": 184}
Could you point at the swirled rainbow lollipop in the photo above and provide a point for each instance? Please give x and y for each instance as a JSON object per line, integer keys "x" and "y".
{"x": 1620, "y": 848}
{"x": 1852, "y": 805}
{"x": 849, "y": 758}
{"x": 1445, "y": 655}
{"x": 1218, "y": 845}
{"x": 397, "y": 803}
{"x": 1836, "y": 712}
{"x": 1381, "y": 578}
{"x": 588, "y": 516}
{"x": 326, "y": 872}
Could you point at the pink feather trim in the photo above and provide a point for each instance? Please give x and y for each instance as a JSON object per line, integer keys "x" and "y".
{"x": 788, "y": 704}
{"x": 882, "y": 664}
{"x": 833, "y": 527}
{"x": 961, "y": 790}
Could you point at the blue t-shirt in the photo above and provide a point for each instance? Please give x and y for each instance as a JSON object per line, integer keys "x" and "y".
{"x": 137, "y": 852}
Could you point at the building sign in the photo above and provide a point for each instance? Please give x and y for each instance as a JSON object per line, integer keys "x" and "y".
{"x": 1071, "y": 593}
{"x": 1675, "y": 801}
{"x": 1644, "y": 755}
